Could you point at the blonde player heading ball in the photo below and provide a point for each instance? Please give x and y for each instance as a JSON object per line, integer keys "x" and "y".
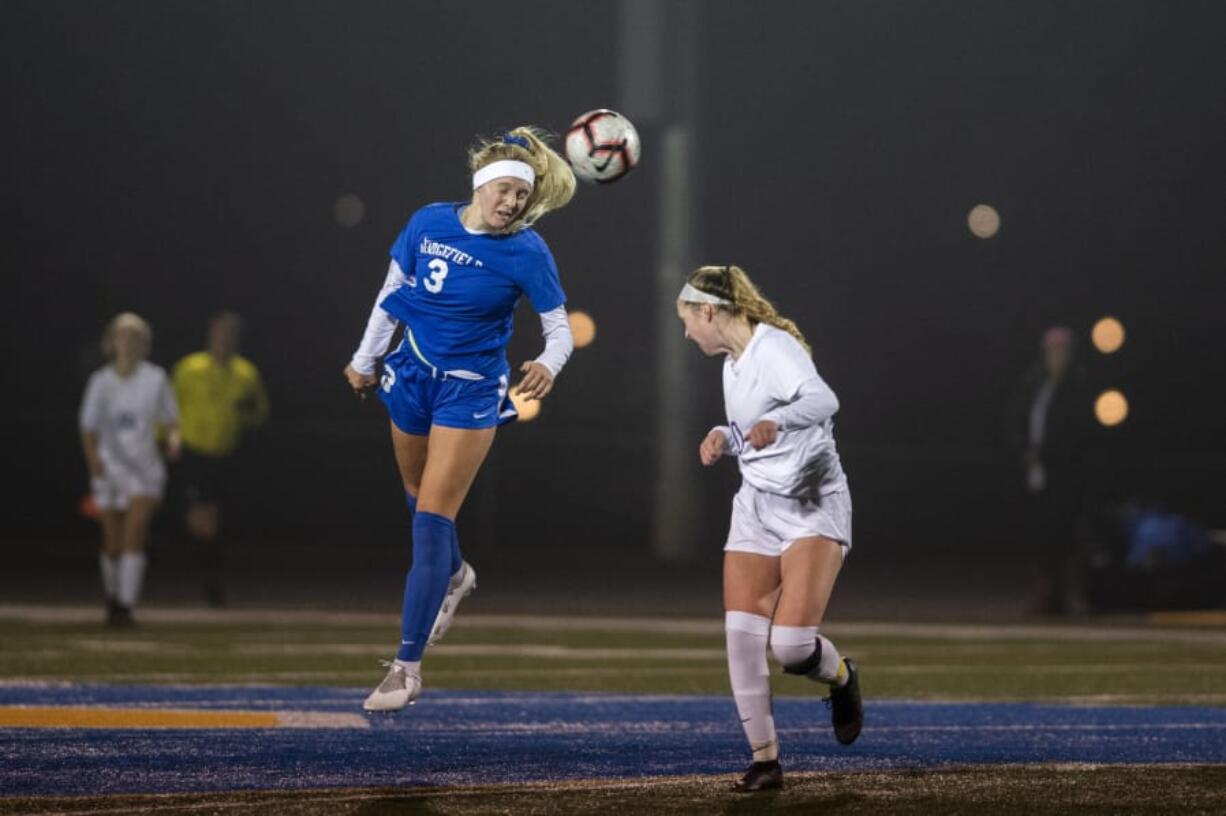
{"x": 457, "y": 271}
{"x": 791, "y": 518}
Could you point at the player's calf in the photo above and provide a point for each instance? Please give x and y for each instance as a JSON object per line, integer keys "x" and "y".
{"x": 802, "y": 651}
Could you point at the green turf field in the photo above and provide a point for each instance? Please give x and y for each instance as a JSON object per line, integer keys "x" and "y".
{"x": 1103, "y": 664}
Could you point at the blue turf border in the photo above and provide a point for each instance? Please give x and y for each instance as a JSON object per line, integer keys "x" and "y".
{"x": 461, "y": 738}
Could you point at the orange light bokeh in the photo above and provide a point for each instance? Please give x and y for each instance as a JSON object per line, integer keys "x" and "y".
{"x": 583, "y": 327}
{"x": 528, "y": 409}
{"x": 1108, "y": 335}
{"x": 983, "y": 220}
{"x": 1111, "y": 408}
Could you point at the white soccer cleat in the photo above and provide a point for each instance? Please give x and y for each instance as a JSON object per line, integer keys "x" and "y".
{"x": 399, "y": 689}
{"x": 462, "y": 583}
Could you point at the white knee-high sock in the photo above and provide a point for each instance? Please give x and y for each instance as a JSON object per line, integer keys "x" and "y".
{"x": 131, "y": 576}
{"x": 110, "y": 576}
{"x": 795, "y": 648}
{"x": 749, "y": 676}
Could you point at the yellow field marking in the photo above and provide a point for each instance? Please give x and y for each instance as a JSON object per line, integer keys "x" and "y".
{"x": 90, "y": 717}
{"x": 80, "y": 717}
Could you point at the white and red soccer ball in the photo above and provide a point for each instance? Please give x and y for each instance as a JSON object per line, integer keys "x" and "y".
{"x": 602, "y": 146}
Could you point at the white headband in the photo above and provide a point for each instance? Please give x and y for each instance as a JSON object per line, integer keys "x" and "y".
{"x": 691, "y": 295}
{"x": 505, "y": 167}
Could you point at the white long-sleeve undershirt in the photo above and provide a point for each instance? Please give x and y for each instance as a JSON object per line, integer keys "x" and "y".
{"x": 559, "y": 342}
{"x": 381, "y": 325}
{"x": 555, "y": 327}
{"x": 814, "y": 404}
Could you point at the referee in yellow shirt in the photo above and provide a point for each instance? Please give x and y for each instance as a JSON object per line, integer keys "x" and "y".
{"x": 220, "y": 394}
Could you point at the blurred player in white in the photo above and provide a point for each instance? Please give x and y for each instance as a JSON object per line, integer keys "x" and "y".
{"x": 457, "y": 271}
{"x": 128, "y": 404}
{"x": 791, "y": 518}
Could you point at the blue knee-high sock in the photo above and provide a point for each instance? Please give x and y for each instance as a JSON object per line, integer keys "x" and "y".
{"x": 426, "y": 585}
{"x": 457, "y": 560}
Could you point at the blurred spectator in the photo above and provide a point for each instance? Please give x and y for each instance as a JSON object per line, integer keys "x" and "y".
{"x": 220, "y": 395}
{"x": 127, "y": 404}
{"x": 1143, "y": 556}
{"x": 1050, "y": 426}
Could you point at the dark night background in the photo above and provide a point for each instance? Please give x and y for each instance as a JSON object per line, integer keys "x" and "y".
{"x": 173, "y": 158}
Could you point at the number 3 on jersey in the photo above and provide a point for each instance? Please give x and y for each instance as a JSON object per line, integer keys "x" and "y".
{"x": 434, "y": 283}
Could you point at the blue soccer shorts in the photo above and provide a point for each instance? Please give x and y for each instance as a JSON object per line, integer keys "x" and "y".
{"x": 418, "y": 396}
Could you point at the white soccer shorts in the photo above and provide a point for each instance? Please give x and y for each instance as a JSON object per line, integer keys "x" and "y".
{"x": 118, "y": 487}
{"x": 767, "y": 523}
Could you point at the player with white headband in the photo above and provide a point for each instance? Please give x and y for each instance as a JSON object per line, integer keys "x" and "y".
{"x": 791, "y": 518}
{"x": 457, "y": 271}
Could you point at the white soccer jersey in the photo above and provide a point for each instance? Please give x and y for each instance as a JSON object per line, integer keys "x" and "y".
{"x": 773, "y": 375}
{"x": 125, "y": 412}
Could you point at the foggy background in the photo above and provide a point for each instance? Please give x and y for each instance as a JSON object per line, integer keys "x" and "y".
{"x": 175, "y": 158}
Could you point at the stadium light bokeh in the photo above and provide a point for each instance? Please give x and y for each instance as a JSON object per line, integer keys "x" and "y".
{"x": 1111, "y": 407}
{"x": 528, "y": 409}
{"x": 583, "y": 327}
{"x": 1108, "y": 335}
{"x": 348, "y": 210}
{"x": 983, "y": 220}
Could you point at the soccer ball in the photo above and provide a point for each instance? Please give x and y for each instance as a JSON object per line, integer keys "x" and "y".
{"x": 602, "y": 146}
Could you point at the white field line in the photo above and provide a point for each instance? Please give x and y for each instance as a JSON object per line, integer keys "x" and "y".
{"x": 485, "y": 650}
{"x": 361, "y": 677}
{"x": 37, "y": 613}
{"x": 1107, "y": 631}
{"x": 1056, "y": 668}
{"x": 264, "y": 678}
{"x": 906, "y": 729}
{"x": 132, "y": 647}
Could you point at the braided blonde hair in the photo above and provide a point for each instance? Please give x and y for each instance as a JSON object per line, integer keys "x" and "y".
{"x": 555, "y": 181}
{"x": 732, "y": 284}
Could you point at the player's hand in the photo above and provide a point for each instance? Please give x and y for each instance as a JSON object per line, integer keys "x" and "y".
{"x": 174, "y": 445}
{"x": 537, "y": 381}
{"x": 360, "y": 383}
{"x": 763, "y": 433}
{"x": 713, "y": 447}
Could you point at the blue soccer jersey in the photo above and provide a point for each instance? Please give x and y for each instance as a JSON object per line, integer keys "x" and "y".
{"x": 463, "y": 286}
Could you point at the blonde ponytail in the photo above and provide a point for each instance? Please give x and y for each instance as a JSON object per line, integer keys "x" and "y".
{"x": 730, "y": 283}
{"x": 555, "y": 181}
